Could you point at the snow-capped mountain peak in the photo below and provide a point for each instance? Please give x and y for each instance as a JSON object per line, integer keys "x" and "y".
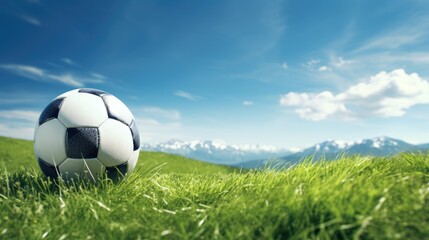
{"x": 380, "y": 142}
{"x": 338, "y": 145}
{"x": 378, "y": 146}
{"x": 217, "y": 151}
{"x": 216, "y": 144}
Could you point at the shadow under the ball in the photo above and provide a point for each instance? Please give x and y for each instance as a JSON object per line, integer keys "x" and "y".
{"x": 112, "y": 174}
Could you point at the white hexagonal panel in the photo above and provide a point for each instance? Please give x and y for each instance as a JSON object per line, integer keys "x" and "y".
{"x": 133, "y": 161}
{"x": 118, "y": 110}
{"x": 83, "y": 110}
{"x": 49, "y": 142}
{"x": 116, "y": 143}
{"x": 81, "y": 168}
{"x": 67, "y": 94}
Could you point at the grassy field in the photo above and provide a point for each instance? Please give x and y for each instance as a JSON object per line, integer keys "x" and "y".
{"x": 176, "y": 198}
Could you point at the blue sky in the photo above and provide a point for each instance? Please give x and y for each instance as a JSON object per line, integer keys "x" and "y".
{"x": 283, "y": 73}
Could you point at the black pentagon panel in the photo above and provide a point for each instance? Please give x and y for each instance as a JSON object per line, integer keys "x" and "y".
{"x": 82, "y": 142}
{"x": 136, "y": 135}
{"x": 51, "y": 111}
{"x": 117, "y": 172}
{"x": 93, "y": 91}
{"x": 48, "y": 169}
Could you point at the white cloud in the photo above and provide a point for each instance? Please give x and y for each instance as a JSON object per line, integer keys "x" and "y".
{"x": 148, "y": 121}
{"x": 155, "y": 112}
{"x": 35, "y": 73}
{"x": 30, "y": 116}
{"x": 407, "y": 34}
{"x": 97, "y": 75}
{"x": 22, "y": 97}
{"x": 284, "y": 65}
{"x": 158, "y": 124}
{"x": 29, "y": 19}
{"x": 67, "y": 79}
{"x": 18, "y": 123}
{"x": 335, "y": 62}
{"x": 387, "y": 94}
{"x": 395, "y": 58}
{"x": 313, "y": 106}
{"x": 339, "y": 62}
{"x": 186, "y": 95}
{"x": 17, "y": 132}
{"x": 324, "y": 69}
{"x": 247, "y": 103}
{"x": 390, "y": 41}
{"x": 311, "y": 64}
{"x": 156, "y": 131}
{"x": 68, "y": 61}
{"x": 25, "y": 71}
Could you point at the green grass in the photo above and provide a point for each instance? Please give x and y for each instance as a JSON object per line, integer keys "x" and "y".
{"x": 352, "y": 198}
{"x": 16, "y": 154}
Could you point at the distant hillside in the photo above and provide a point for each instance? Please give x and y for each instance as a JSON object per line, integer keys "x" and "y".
{"x": 169, "y": 163}
{"x": 216, "y": 151}
{"x": 16, "y": 154}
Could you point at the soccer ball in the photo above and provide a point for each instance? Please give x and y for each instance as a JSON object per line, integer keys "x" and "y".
{"x": 86, "y": 134}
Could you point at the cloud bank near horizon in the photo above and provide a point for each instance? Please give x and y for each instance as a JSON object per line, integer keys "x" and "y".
{"x": 386, "y": 94}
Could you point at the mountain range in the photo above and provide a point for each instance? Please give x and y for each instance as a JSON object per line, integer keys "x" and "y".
{"x": 331, "y": 150}
{"x": 217, "y": 151}
{"x": 256, "y": 156}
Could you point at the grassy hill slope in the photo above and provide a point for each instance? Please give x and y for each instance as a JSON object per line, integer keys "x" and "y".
{"x": 352, "y": 198}
{"x": 16, "y": 154}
